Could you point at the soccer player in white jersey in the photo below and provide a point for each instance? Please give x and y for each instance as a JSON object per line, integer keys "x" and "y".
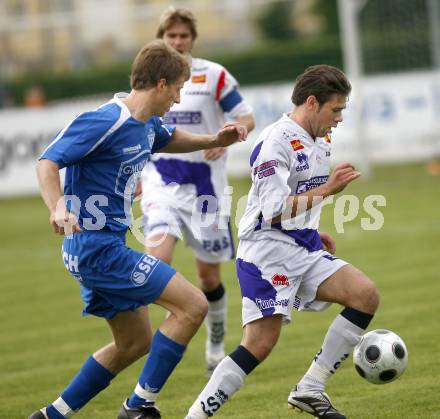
{"x": 283, "y": 262}
{"x": 104, "y": 152}
{"x": 175, "y": 186}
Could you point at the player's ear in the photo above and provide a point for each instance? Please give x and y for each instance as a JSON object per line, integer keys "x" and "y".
{"x": 161, "y": 84}
{"x": 312, "y": 102}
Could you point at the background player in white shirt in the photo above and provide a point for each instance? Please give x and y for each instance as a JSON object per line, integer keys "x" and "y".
{"x": 174, "y": 186}
{"x": 283, "y": 262}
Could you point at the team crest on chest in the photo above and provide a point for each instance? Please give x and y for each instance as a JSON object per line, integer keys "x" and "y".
{"x": 150, "y": 137}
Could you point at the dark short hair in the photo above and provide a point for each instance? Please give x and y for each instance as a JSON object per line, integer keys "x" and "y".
{"x": 171, "y": 16}
{"x": 321, "y": 81}
{"x": 156, "y": 61}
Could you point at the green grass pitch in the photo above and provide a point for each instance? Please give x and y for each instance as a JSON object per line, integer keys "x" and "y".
{"x": 44, "y": 340}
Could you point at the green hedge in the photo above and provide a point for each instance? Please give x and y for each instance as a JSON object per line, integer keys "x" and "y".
{"x": 279, "y": 61}
{"x": 94, "y": 80}
{"x": 271, "y": 61}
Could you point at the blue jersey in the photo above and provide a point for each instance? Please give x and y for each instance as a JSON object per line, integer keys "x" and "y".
{"x": 104, "y": 152}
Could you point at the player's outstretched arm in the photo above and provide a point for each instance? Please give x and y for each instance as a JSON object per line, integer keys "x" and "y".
{"x": 342, "y": 175}
{"x": 61, "y": 219}
{"x": 216, "y": 153}
{"x": 185, "y": 142}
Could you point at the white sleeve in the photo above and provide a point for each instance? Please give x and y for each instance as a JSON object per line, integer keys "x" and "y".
{"x": 241, "y": 109}
{"x": 270, "y": 174}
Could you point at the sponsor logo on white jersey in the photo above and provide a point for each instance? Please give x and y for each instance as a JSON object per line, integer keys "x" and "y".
{"x": 303, "y": 161}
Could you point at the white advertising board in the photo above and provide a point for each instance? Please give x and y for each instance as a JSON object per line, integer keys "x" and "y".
{"x": 401, "y": 123}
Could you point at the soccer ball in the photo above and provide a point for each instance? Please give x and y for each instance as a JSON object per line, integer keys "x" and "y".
{"x": 380, "y": 357}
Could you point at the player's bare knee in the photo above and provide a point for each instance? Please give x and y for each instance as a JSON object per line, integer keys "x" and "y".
{"x": 366, "y": 298}
{"x": 201, "y": 308}
{"x": 260, "y": 348}
{"x": 209, "y": 276}
{"x": 371, "y": 298}
{"x": 195, "y": 311}
{"x": 209, "y": 283}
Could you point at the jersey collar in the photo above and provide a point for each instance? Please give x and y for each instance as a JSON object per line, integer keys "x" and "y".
{"x": 299, "y": 129}
{"x": 117, "y": 98}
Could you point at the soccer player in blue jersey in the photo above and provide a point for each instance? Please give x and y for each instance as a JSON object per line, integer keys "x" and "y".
{"x": 283, "y": 261}
{"x": 104, "y": 152}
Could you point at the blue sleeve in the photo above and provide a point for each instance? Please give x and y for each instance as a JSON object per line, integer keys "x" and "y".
{"x": 79, "y": 138}
{"x": 163, "y": 134}
{"x": 230, "y": 100}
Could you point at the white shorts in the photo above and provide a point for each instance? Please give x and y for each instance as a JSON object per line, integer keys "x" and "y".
{"x": 276, "y": 277}
{"x": 208, "y": 235}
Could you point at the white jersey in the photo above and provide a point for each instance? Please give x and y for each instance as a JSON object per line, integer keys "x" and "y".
{"x": 209, "y": 94}
{"x": 285, "y": 161}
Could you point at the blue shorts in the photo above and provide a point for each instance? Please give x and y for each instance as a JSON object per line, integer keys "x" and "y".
{"x": 113, "y": 277}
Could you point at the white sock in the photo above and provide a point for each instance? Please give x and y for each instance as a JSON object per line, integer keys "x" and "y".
{"x": 215, "y": 323}
{"x": 342, "y": 336}
{"x": 225, "y": 381}
{"x": 62, "y": 407}
{"x": 145, "y": 394}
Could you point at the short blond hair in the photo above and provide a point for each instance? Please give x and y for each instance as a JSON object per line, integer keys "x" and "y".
{"x": 171, "y": 16}
{"x": 156, "y": 61}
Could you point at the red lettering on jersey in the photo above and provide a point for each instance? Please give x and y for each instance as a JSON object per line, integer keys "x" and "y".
{"x": 279, "y": 279}
{"x": 296, "y": 144}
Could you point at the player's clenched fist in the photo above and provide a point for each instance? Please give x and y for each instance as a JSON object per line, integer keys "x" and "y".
{"x": 342, "y": 175}
{"x": 64, "y": 222}
{"x": 229, "y": 134}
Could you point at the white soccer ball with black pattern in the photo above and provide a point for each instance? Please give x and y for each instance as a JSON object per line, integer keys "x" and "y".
{"x": 380, "y": 357}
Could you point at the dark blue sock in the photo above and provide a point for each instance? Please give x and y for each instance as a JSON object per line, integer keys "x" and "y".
{"x": 244, "y": 359}
{"x": 164, "y": 356}
{"x": 358, "y": 318}
{"x": 90, "y": 380}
